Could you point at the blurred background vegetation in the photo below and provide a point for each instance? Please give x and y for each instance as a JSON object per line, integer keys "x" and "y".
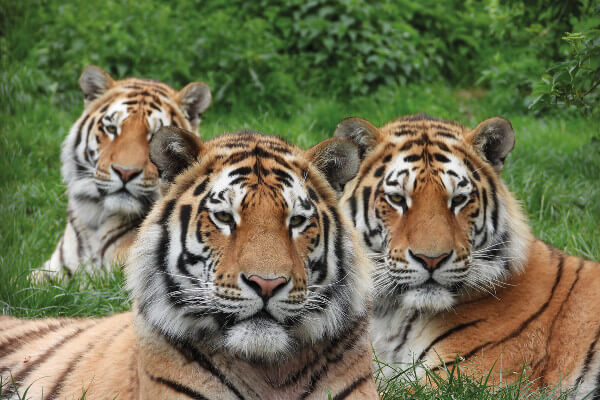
{"x": 265, "y": 52}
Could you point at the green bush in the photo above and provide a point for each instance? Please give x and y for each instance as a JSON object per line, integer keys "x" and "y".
{"x": 574, "y": 81}
{"x": 267, "y": 53}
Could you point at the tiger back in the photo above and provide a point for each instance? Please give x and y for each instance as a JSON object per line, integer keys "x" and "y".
{"x": 111, "y": 182}
{"x": 457, "y": 270}
{"x": 247, "y": 283}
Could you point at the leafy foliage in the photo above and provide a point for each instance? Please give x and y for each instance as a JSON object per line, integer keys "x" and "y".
{"x": 264, "y": 53}
{"x": 575, "y": 80}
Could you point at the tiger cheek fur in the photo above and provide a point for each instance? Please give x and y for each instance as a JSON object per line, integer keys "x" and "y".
{"x": 458, "y": 271}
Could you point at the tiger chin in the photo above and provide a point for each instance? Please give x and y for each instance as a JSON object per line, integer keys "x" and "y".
{"x": 458, "y": 271}
{"x": 247, "y": 282}
{"x": 111, "y": 182}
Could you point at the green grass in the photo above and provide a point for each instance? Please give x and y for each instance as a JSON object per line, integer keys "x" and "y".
{"x": 554, "y": 170}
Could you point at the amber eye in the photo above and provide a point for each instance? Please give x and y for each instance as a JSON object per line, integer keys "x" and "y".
{"x": 111, "y": 129}
{"x": 458, "y": 200}
{"x": 397, "y": 199}
{"x": 297, "y": 220}
{"x": 224, "y": 217}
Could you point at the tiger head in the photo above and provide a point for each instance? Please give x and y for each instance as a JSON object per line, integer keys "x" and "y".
{"x": 431, "y": 208}
{"x": 105, "y": 157}
{"x": 247, "y": 251}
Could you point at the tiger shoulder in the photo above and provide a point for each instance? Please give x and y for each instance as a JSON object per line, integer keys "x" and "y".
{"x": 458, "y": 271}
{"x": 246, "y": 279}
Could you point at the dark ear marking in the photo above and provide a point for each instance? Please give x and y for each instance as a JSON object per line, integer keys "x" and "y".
{"x": 194, "y": 99}
{"x": 363, "y": 133}
{"x": 94, "y": 81}
{"x": 173, "y": 150}
{"x": 337, "y": 159}
{"x": 494, "y": 139}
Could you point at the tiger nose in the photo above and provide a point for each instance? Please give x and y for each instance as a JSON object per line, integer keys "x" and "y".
{"x": 126, "y": 174}
{"x": 265, "y": 287}
{"x": 428, "y": 262}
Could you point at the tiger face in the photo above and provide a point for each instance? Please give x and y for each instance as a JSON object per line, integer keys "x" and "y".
{"x": 248, "y": 250}
{"x": 430, "y": 208}
{"x": 106, "y": 155}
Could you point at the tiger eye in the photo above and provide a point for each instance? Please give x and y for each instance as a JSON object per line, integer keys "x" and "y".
{"x": 111, "y": 129}
{"x": 224, "y": 217}
{"x": 458, "y": 200}
{"x": 397, "y": 198}
{"x": 297, "y": 220}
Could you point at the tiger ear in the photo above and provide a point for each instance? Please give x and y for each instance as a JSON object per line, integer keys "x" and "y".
{"x": 360, "y": 131}
{"x": 194, "y": 99}
{"x": 337, "y": 159}
{"x": 94, "y": 81}
{"x": 173, "y": 150}
{"x": 494, "y": 139}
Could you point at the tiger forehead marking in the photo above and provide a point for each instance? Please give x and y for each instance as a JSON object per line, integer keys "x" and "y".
{"x": 261, "y": 200}
{"x": 426, "y": 203}
{"x": 253, "y": 253}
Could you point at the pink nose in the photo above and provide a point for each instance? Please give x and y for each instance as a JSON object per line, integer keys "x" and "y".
{"x": 431, "y": 263}
{"x": 126, "y": 174}
{"x": 266, "y": 287}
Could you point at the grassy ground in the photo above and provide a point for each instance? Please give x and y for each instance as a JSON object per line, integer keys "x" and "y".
{"x": 554, "y": 170}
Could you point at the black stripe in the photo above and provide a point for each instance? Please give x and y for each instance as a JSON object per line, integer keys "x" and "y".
{"x": 349, "y": 389}
{"x": 322, "y": 266}
{"x": 379, "y": 172}
{"x": 446, "y": 135}
{"x": 26, "y": 337}
{"x": 494, "y": 196}
{"x": 22, "y": 375}
{"x": 591, "y": 349}
{"x": 162, "y": 259}
{"x": 55, "y": 391}
{"x": 353, "y": 209}
{"x": 407, "y": 331}
{"x": 116, "y": 237}
{"x": 345, "y": 343}
{"x": 240, "y": 171}
{"x": 441, "y": 158}
{"x": 528, "y": 321}
{"x": 404, "y": 131}
{"x": 339, "y": 349}
{"x": 78, "y": 138}
{"x": 200, "y": 188}
{"x": 588, "y": 358}
{"x": 177, "y": 387}
{"x": 77, "y": 237}
{"x": 190, "y": 353}
{"x": 444, "y": 335}
{"x": 472, "y": 169}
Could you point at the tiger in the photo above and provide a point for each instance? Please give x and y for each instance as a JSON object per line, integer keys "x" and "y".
{"x": 110, "y": 180}
{"x": 247, "y": 282}
{"x": 458, "y": 272}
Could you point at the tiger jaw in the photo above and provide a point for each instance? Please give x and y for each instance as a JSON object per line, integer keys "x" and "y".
{"x": 129, "y": 198}
{"x": 407, "y": 283}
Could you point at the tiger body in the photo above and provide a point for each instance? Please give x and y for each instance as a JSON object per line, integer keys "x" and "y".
{"x": 110, "y": 180}
{"x": 107, "y": 358}
{"x": 247, "y": 283}
{"x": 457, "y": 270}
